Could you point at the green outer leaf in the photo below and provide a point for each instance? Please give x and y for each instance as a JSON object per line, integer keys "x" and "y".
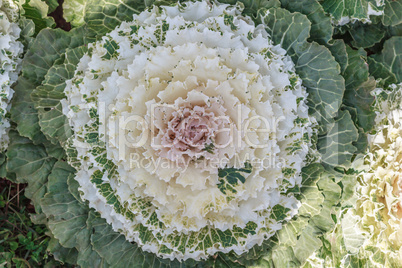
{"x": 321, "y": 27}
{"x": 361, "y": 100}
{"x": 366, "y": 35}
{"x": 62, "y": 254}
{"x": 36, "y": 64}
{"x": 338, "y": 50}
{"x": 118, "y": 251}
{"x": 31, "y": 164}
{"x": 315, "y": 65}
{"x": 46, "y": 97}
{"x": 391, "y": 56}
{"x": 358, "y": 88}
{"x": 67, "y": 217}
{"x": 379, "y": 71}
{"x": 336, "y": 147}
{"x": 27, "y": 31}
{"x": 392, "y": 12}
{"x": 24, "y": 113}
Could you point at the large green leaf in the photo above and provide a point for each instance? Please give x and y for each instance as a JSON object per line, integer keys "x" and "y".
{"x": 62, "y": 254}
{"x": 47, "y": 97}
{"x": 24, "y": 113}
{"x": 338, "y": 50}
{"x": 36, "y": 64}
{"x": 336, "y": 147}
{"x": 366, "y": 35}
{"x": 314, "y": 63}
{"x": 31, "y": 164}
{"x": 321, "y": 27}
{"x": 379, "y": 71}
{"x": 68, "y": 217}
{"x": 321, "y": 197}
{"x": 358, "y": 88}
{"x": 391, "y": 56}
{"x": 392, "y": 12}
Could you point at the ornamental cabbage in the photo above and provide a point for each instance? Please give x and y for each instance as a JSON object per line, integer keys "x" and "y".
{"x": 379, "y": 205}
{"x": 200, "y": 104}
{"x": 157, "y": 133}
{"x": 10, "y": 57}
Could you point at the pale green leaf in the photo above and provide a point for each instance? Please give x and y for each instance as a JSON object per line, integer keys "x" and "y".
{"x": 74, "y": 11}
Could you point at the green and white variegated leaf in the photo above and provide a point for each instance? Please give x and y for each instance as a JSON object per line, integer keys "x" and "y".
{"x": 345, "y": 11}
{"x": 251, "y": 7}
{"x": 74, "y": 11}
{"x": 47, "y": 97}
{"x": 102, "y": 16}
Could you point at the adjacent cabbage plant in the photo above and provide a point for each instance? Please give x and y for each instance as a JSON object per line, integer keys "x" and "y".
{"x": 195, "y": 133}
{"x": 10, "y": 57}
{"x": 380, "y": 199}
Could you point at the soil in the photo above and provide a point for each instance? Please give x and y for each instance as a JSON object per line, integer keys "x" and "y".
{"x": 58, "y": 17}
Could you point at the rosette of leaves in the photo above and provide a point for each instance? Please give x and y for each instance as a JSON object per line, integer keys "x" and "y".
{"x": 37, "y": 153}
{"x": 19, "y": 20}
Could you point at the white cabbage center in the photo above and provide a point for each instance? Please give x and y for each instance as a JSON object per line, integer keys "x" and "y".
{"x": 190, "y": 127}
